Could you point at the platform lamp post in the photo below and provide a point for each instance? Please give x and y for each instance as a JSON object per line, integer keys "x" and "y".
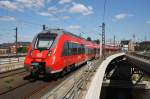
{"x": 16, "y": 42}
{"x": 16, "y": 37}
{"x": 44, "y": 27}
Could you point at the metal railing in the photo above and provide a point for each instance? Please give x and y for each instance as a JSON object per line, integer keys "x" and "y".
{"x": 4, "y": 61}
{"x": 12, "y": 55}
{"x": 10, "y": 63}
{"x": 74, "y": 84}
{"x": 11, "y": 58}
{"x": 145, "y": 57}
{"x": 78, "y": 83}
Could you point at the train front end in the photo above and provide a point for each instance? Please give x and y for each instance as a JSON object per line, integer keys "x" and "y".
{"x": 39, "y": 56}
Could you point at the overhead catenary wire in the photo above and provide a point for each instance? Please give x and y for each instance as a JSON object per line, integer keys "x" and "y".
{"x": 103, "y": 29}
{"x": 104, "y": 10}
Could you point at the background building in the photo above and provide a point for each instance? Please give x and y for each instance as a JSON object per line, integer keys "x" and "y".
{"x": 143, "y": 46}
{"x": 6, "y": 48}
{"x": 127, "y": 45}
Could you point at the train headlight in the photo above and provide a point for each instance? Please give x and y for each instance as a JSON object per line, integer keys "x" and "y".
{"x": 49, "y": 53}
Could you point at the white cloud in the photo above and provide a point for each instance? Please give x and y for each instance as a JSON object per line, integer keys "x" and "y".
{"x": 64, "y": 1}
{"x": 20, "y": 5}
{"x": 121, "y": 16}
{"x": 66, "y": 17}
{"x": 7, "y": 18}
{"x": 31, "y": 3}
{"x": 52, "y": 17}
{"x": 54, "y": 9}
{"x": 148, "y": 22}
{"x": 8, "y": 5}
{"x": 74, "y": 27}
{"x": 80, "y": 8}
{"x": 44, "y": 14}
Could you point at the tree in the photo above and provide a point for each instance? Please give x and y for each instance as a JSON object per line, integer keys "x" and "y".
{"x": 97, "y": 41}
{"x": 89, "y": 39}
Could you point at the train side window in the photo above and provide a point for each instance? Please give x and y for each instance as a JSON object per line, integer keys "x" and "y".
{"x": 70, "y": 48}
{"x": 65, "y": 51}
{"x": 98, "y": 50}
{"x": 86, "y": 50}
{"x": 89, "y": 51}
{"x": 79, "y": 48}
{"x": 94, "y": 50}
{"x": 82, "y": 49}
{"x": 74, "y": 49}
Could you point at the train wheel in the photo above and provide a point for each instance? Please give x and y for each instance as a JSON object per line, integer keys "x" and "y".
{"x": 34, "y": 74}
{"x": 55, "y": 76}
{"x": 47, "y": 76}
{"x": 72, "y": 67}
{"x": 68, "y": 69}
{"x": 62, "y": 73}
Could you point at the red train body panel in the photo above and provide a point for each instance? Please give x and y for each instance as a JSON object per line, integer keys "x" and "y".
{"x": 54, "y": 50}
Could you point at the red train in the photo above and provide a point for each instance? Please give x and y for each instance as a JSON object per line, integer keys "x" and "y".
{"x": 56, "y": 51}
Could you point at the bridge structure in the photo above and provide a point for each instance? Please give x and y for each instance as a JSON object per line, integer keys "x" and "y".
{"x": 119, "y": 70}
{"x": 136, "y": 64}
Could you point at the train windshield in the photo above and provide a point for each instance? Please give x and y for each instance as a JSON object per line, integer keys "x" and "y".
{"x": 44, "y": 41}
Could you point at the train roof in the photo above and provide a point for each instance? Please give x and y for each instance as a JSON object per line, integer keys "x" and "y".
{"x": 60, "y": 31}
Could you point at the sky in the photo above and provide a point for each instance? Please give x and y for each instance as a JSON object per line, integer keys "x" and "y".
{"x": 123, "y": 18}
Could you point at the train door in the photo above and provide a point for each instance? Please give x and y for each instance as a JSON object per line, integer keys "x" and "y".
{"x": 65, "y": 54}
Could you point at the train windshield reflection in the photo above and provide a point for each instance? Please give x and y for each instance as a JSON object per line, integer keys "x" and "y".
{"x": 44, "y": 41}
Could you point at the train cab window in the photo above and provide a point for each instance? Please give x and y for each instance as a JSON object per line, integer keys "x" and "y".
{"x": 65, "y": 51}
{"x": 44, "y": 41}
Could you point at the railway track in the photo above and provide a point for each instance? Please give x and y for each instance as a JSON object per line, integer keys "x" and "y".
{"x": 42, "y": 90}
{"x": 33, "y": 89}
{"x": 12, "y": 73}
{"x": 30, "y": 88}
{"x": 8, "y": 79}
{"x": 36, "y": 91}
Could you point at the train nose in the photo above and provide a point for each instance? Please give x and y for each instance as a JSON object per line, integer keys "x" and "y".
{"x": 40, "y": 67}
{"x": 40, "y": 55}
